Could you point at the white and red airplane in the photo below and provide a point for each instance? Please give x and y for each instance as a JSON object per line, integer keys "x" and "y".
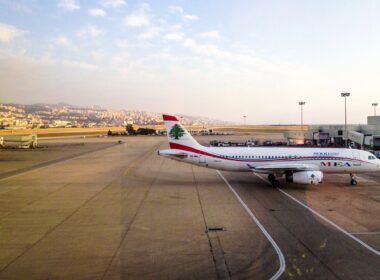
{"x": 298, "y": 165}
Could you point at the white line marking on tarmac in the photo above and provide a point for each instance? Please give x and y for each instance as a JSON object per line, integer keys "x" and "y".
{"x": 366, "y": 232}
{"x": 365, "y": 245}
{"x": 261, "y": 227}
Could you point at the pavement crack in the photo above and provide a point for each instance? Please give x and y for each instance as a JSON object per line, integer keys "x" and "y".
{"x": 48, "y": 232}
{"x": 10, "y": 174}
{"x": 34, "y": 201}
{"x": 216, "y": 249}
{"x": 273, "y": 215}
{"x": 123, "y": 237}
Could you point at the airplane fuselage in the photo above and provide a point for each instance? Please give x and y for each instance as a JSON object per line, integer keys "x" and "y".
{"x": 245, "y": 159}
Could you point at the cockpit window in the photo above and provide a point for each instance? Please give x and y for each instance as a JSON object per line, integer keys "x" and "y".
{"x": 371, "y": 157}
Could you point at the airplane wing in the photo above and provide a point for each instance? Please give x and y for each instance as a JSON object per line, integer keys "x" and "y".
{"x": 280, "y": 167}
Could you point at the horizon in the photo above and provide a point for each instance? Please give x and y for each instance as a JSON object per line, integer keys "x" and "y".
{"x": 222, "y": 60}
{"x": 177, "y": 114}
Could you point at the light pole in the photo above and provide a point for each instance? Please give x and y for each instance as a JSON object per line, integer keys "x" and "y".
{"x": 245, "y": 117}
{"x": 301, "y": 103}
{"x": 374, "y": 108}
{"x": 345, "y": 95}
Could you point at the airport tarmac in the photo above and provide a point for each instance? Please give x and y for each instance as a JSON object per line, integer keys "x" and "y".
{"x": 118, "y": 211}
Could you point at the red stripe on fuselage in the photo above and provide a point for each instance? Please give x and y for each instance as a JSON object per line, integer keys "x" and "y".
{"x": 197, "y": 151}
{"x": 170, "y": 118}
{"x": 190, "y": 149}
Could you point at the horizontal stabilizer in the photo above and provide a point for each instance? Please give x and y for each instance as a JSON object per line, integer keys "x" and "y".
{"x": 172, "y": 153}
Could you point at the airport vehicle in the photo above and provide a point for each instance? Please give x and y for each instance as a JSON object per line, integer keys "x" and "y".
{"x": 298, "y": 165}
{"x": 28, "y": 141}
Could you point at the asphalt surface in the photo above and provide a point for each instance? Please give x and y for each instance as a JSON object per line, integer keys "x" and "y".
{"x": 122, "y": 212}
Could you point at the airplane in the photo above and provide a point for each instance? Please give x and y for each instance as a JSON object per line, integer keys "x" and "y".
{"x": 298, "y": 165}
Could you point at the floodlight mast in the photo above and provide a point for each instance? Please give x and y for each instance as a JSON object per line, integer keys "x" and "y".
{"x": 374, "y": 108}
{"x": 345, "y": 95}
{"x": 301, "y": 103}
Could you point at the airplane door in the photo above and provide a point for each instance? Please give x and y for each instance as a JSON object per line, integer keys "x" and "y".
{"x": 202, "y": 159}
{"x": 356, "y": 154}
{"x": 357, "y": 164}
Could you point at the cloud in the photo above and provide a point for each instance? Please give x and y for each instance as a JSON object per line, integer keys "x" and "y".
{"x": 97, "y": 55}
{"x": 151, "y": 32}
{"x": 61, "y": 41}
{"x": 113, "y": 3}
{"x": 175, "y": 9}
{"x": 242, "y": 59}
{"x": 97, "y": 12}
{"x": 122, "y": 44}
{"x": 137, "y": 20}
{"x": 174, "y": 36}
{"x": 210, "y": 34}
{"x": 69, "y": 5}
{"x": 179, "y": 10}
{"x": 90, "y": 31}
{"x": 80, "y": 64}
{"x": 190, "y": 17}
{"x": 139, "y": 17}
{"x": 205, "y": 49}
{"x": 9, "y": 32}
{"x": 175, "y": 27}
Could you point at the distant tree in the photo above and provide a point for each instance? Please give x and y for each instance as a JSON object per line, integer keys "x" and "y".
{"x": 142, "y": 131}
{"x": 176, "y": 132}
{"x": 146, "y": 131}
{"x": 109, "y": 133}
{"x": 130, "y": 129}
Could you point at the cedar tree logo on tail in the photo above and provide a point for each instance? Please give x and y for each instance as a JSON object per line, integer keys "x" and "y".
{"x": 176, "y": 132}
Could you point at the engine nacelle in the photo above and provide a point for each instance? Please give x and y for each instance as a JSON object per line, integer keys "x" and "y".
{"x": 306, "y": 177}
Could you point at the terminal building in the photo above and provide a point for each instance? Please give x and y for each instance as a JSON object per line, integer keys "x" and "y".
{"x": 360, "y": 136}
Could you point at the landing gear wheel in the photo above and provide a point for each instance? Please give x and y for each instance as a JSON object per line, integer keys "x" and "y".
{"x": 271, "y": 177}
{"x": 275, "y": 183}
{"x": 353, "y": 180}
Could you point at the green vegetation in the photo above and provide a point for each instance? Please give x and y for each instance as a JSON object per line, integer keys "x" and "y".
{"x": 130, "y": 129}
{"x": 176, "y": 132}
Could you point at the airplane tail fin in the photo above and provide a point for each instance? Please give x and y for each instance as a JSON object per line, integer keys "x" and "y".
{"x": 178, "y": 136}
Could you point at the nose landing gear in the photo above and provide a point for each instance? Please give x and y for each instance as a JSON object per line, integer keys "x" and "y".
{"x": 353, "y": 179}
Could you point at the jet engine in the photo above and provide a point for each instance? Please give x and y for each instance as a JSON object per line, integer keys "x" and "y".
{"x": 305, "y": 177}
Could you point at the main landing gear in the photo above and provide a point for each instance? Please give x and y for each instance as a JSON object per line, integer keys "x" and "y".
{"x": 353, "y": 179}
{"x": 272, "y": 179}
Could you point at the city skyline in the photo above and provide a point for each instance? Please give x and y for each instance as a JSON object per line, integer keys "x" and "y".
{"x": 222, "y": 60}
{"x": 17, "y": 116}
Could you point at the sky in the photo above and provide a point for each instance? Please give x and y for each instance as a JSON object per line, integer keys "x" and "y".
{"x": 219, "y": 58}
